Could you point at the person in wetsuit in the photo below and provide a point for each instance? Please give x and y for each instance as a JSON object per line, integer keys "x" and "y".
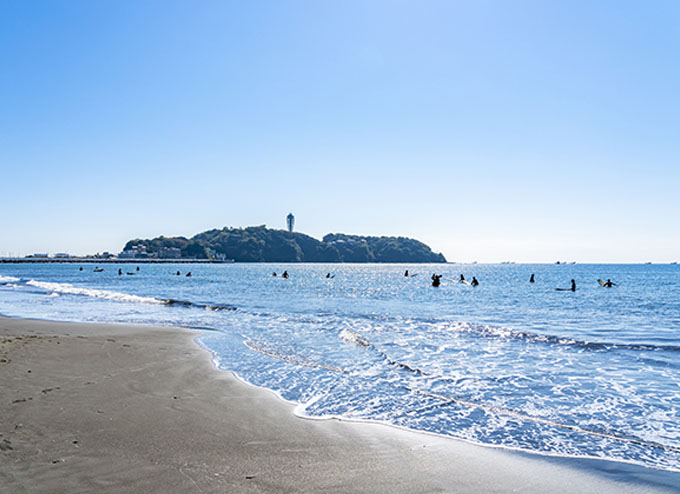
{"x": 188, "y": 274}
{"x": 436, "y": 279}
{"x": 474, "y": 282}
{"x": 285, "y": 275}
{"x": 462, "y": 278}
{"x": 406, "y": 273}
{"x": 120, "y": 271}
{"x": 573, "y": 286}
{"x": 609, "y": 283}
{"x": 531, "y": 280}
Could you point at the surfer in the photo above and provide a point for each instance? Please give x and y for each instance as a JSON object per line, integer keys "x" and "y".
{"x": 274, "y": 273}
{"x": 474, "y": 282}
{"x": 81, "y": 268}
{"x": 137, "y": 268}
{"x": 609, "y": 283}
{"x": 436, "y": 279}
{"x": 406, "y": 273}
{"x": 462, "y": 279}
{"x": 285, "y": 275}
{"x": 120, "y": 271}
{"x": 572, "y": 289}
{"x": 531, "y": 280}
{"x": 177, "y": 273}
{"x": 328, "y": 275}
{"x": 188, "y": 274}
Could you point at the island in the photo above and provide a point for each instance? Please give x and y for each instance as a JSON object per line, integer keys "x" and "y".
{"x": 262, "y": 244}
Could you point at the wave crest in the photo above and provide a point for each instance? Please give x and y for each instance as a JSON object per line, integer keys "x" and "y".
{"x": 91, "y": 292}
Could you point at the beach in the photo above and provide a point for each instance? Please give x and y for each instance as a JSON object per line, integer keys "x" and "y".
{"x": 118, "y": 408}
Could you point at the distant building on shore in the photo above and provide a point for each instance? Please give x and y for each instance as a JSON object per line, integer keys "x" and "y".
{"x": 169, "y": 253}
{"x": 135, "y": 252}
{"x": 290, "y": 221}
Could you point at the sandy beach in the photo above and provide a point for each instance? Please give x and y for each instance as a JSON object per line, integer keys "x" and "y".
{"x": 114, "y": 408}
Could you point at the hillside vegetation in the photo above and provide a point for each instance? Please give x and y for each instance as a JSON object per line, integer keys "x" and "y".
{"x": 261, "y": 244}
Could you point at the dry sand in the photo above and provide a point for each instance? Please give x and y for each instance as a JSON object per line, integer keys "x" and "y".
{"x": 113, "y": 408}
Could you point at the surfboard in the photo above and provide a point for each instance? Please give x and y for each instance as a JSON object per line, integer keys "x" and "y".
{"x": 465, "y": 282}
{"x": 601, "y": 282}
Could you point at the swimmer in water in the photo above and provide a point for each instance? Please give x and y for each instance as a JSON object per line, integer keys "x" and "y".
{"x": 531, "y": 280}
{"x": 474, "y": 282}
{"x": 285, "y": 275}
{"x": 436, "y": 279}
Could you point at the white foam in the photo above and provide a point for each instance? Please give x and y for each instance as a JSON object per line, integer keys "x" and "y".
{"x": 351, "y": 337}
{"x": 91, "y": 292}
{"x": 5, "y": 279}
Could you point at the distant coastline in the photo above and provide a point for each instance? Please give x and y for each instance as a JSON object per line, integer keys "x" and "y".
{"x": 111, "y": 260}
{"x": 262, "y": 244}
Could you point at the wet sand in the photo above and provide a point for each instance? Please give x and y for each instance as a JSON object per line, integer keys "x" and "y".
{"x": 117, "y": 408}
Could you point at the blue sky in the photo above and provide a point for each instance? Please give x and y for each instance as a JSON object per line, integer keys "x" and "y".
{"x": 491, "y": 130}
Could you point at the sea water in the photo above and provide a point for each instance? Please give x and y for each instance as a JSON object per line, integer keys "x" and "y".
{"x": 592, "y": 373}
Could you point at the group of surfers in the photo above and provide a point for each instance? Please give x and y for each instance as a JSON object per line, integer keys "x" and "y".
{"x": 436, "y": 281}
{"x": 436, "y": 278}
{"x": 97, "y": 269}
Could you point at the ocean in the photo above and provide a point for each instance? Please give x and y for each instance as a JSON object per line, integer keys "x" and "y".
{"x": 593, "y": 373}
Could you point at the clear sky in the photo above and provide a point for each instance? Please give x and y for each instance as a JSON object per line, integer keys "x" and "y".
{"x": 490, "y": 130}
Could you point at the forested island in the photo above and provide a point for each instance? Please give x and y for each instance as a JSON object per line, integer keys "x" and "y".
{"x": 261, "y": 244}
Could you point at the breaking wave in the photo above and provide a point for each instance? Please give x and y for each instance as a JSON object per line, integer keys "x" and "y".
{"x": 91, "y": 292}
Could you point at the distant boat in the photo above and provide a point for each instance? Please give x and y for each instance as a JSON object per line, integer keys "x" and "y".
{"x": 674, "y": 262}
{"x": 648, "y": 263}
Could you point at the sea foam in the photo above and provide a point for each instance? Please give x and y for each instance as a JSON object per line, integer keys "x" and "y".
{"x": 89, "y": 292}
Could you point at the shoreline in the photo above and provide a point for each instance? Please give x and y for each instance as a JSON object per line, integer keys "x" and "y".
{"x": 132, "y": 408}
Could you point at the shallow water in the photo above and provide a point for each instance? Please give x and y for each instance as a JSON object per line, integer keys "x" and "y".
{"x": 594, "y": 373}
